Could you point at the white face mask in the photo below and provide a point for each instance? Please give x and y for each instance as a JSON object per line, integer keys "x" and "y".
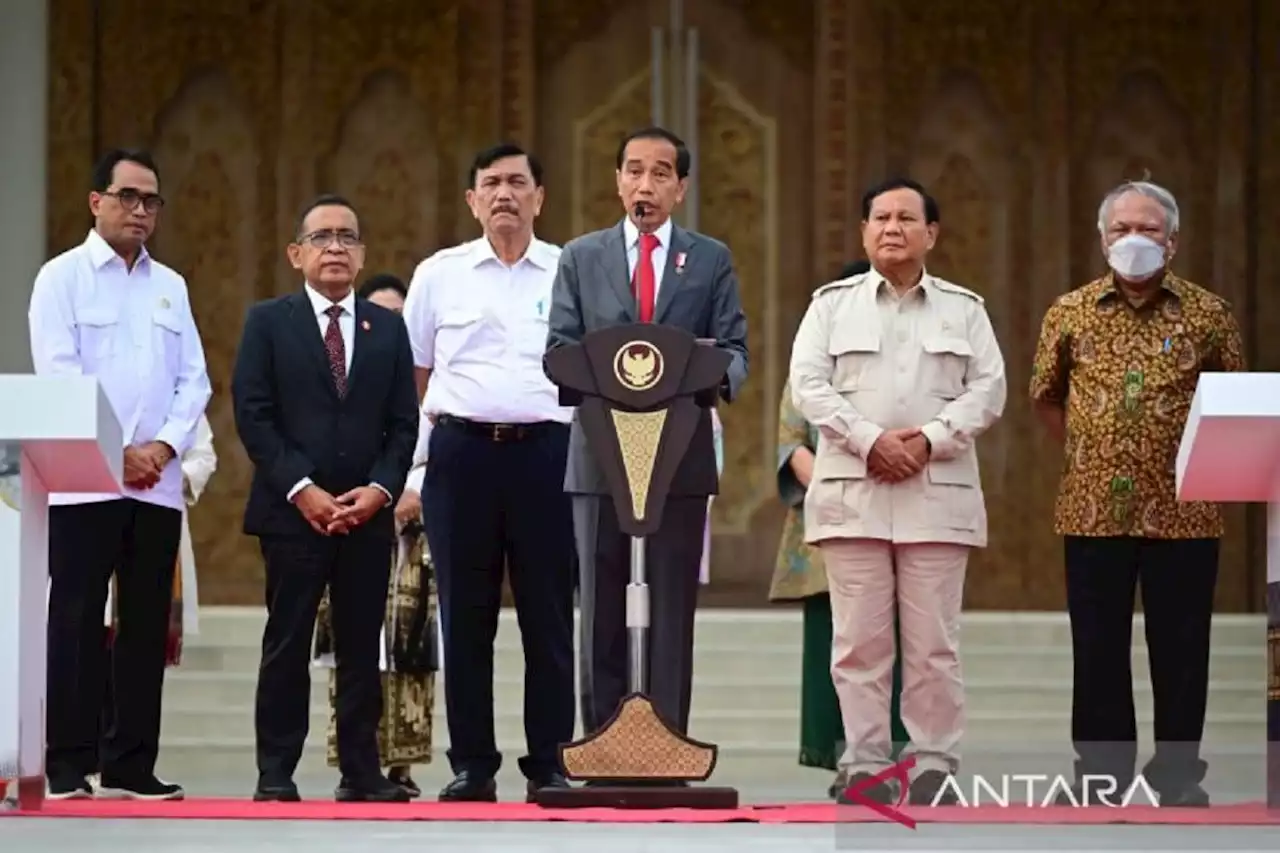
{"x": 1135, "y": 257}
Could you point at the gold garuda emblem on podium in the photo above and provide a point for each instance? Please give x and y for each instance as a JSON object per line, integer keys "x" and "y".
{"x": 638, "y": 366}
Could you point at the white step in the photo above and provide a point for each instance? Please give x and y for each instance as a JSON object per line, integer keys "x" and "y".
{"x": 201, "y": 690}
{"x": 1017, "y": 669}
{"x": 721, "y": 727}
{"x": 242, "y": 626}
{"x": 749, "y": 660}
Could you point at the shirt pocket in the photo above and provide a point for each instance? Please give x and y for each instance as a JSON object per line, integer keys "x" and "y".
{"x": 856, "y": 352}
{"x": 98, "y": 331}
{"x": 837, "y": 493}
{"x": 946, "y": 359}
{"x": 532, "y": 332}
{"x": 461, "y": 333}
{"x": 166, "y": 340}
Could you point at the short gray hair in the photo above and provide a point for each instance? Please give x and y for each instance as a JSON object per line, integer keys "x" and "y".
{"x": 1151, "y": 191}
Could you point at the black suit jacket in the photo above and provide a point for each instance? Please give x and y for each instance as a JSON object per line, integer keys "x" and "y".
{"x": 293, "y": 425}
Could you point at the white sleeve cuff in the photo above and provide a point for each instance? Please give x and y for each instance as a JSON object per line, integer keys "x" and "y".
{"x": 299, "y": 486}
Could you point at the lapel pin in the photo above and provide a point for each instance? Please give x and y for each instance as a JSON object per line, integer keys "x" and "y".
{"x": 364, "y": 324}
{"x": 680, "y": 259}
{"x": 164, "y": 303}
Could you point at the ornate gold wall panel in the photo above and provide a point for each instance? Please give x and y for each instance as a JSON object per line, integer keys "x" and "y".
{"x": 253, "y": 107}
{"x": 1017, "y": 115}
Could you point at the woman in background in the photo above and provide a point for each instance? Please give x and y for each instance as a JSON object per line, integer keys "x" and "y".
{"x": 409, "y": 629}
{"x": 799, "y": 575}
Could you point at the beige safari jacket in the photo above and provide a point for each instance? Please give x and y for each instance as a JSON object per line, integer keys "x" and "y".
{"x": 866, "y": 360}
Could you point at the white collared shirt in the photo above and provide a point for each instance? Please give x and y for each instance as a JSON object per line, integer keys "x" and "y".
{"x": 133, "y": 330}
{"x": 346, "y": 320}
{"x": 631, "y": 236}
{"x": 480, "y": 326}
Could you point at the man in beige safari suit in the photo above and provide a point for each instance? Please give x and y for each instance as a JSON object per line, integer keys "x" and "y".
{"x": 900, "y": 372}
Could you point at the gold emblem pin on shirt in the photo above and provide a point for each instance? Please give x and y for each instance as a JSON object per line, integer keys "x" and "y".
{"x": 164, "y": 303}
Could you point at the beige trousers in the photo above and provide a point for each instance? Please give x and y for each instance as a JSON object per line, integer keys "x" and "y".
{"x": 865, "y": 577}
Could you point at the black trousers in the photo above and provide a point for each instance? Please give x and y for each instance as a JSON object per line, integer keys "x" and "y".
{"x": 487, "y": 504}
{"x": 1177, "y": 577}
{"x": 88, "y": 543}
{"x": 356, "y": 568}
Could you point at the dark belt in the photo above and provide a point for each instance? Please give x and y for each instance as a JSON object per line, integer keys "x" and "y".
{"x": 496, "y": 432}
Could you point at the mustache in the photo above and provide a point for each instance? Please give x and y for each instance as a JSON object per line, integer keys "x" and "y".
{"x": 506, "y": 208}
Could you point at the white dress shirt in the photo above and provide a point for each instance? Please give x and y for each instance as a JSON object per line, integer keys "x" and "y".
{"x": 480, "y": 326}
{"x": 132, "y": 330}
{"x": 321, "y": 304}
{"x": 631, "y": 236}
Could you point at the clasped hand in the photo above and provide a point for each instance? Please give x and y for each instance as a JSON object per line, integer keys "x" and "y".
{"x": 897, "y": 455}
{"x": 144, "y": 465}
{"x": 330, "y": 516}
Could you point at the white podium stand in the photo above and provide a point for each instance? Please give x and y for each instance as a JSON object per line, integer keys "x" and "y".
{"x": 59, "y": 434}
{"x": 1230, "y": 453}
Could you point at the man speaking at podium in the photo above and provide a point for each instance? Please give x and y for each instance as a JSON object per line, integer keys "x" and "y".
{"x": 645, "y": 269}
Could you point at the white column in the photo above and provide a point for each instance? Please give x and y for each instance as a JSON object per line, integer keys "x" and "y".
{"x": 24, "y": 78}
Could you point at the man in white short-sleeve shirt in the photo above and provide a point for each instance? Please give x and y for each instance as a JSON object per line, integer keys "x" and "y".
{"x": 493, "y": 494}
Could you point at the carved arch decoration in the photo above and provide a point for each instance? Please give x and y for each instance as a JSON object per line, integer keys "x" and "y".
{"x": 593, "y": 190}
{"x": 206, "y": 143}
{"x": 1142, "y": 131}
{"x": 739, "y": 201}
{"x": 965, "y": 155}
{"x": 385, "y": 159}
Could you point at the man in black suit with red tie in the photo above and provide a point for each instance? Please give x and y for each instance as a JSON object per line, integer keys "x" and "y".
{"x": 327, "y": 411}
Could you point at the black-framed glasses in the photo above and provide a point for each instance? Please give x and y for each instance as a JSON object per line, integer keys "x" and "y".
{"x": 326, "y": 238}
{"x": 130, "y": 199}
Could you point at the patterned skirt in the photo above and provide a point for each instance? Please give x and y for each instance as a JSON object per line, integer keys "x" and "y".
{"x": 408, "y": 701}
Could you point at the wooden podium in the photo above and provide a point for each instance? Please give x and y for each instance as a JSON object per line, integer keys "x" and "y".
{"x": 57, "y": 434}
{"x": 640, "y": 391}
{"x": 1230, "y": 452}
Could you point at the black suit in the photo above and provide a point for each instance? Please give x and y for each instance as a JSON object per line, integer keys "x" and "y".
{"x": 294, "y": 425}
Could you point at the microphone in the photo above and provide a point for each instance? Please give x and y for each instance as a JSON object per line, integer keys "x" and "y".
{"x": 641, "y": 209}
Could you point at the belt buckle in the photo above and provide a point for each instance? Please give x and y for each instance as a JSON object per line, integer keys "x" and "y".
{"x": 501, "y": 432}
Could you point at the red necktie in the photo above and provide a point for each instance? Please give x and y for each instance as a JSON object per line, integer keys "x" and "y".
{"x": 336, "y": 350}
{"x": 645, "y": 283}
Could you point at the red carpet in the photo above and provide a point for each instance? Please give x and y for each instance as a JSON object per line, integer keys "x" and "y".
{"x": 232, "y": 809}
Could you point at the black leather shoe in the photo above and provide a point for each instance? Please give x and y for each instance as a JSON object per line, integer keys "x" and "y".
{"x": 884, "y": 792}
{"x": 404, "y": 780}
{"x": 270, "y": 791}
{"x": 1190, "y": 796}
{"x": 375, "y": 790}
{"x": 555, "y": 779}
{"x": 930, "y": 789}
{"x": 468, "y": 787}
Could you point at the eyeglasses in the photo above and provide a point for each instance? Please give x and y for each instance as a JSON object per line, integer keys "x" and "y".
{"x": 325, "y": 239}
{"x": 130, "y": 199}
